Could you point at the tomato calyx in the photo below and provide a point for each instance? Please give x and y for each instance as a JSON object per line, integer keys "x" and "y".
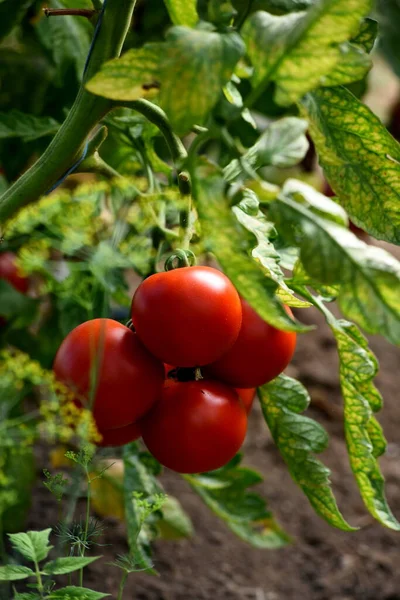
{"x": 180, "y": 258}
{"x": 184, "y": 374}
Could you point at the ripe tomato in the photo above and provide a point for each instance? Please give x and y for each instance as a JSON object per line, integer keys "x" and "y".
{"x": 196, "y": 426}
{"x": 188, "y": 317}
{"x": 260, "y": 353}
{"x": 129, "y": 379}
{"x": 9, "y": 272}
{"x": 120, "y": 436}
{"x": 246, "y": 395}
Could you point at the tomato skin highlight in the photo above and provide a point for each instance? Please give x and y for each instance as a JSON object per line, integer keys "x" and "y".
{"x": 9, "y": 271}
{"x": 196, "y": 426}
{"x": 260, "y": 353}
{"x": 188, "y": 317}
{"x": 120, "y": 436}
{"x": 129, "y": 379}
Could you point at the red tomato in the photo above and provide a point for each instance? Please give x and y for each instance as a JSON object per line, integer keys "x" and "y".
{"x": 187, "y": 317}
{"x": 196, "y": 426}
{"x": 120, "y": 436}
{"x": 259, "y": 354}
{"x": 247, "y": 396}
{"x": 129, "y": 379}
{"x": 9, "y": 272}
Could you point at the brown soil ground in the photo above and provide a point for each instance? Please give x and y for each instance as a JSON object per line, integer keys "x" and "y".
{"x": 322, "y": 563}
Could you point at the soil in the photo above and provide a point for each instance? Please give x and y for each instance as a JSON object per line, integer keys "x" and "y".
{"x": 321, "y": 563}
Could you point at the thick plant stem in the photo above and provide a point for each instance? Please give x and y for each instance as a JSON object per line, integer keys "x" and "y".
{"x": 87, "y": 110}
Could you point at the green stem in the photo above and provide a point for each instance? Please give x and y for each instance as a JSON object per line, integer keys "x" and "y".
{"x": 95, "y": 164}
{"x": 157, "y": 116}
{"x": 87, "y": 110}
{"x": 39, "y": 579}
{"x": 122, "y": 585}
{"x": 88, "y": 498}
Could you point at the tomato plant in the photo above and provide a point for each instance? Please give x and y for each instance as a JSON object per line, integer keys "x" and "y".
{"x": 147, "y": 142}
{"x": 195, "y": 426}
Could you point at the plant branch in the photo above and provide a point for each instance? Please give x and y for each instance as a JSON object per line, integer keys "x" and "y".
{"x": 93, "y": 163}
{"x": 69, "y": 142}
{"x": 157, "y": 116}
{"x": 74, "y": 12}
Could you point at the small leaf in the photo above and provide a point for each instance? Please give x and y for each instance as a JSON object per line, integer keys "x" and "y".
{"x": 33, "y": 545}
{"x": 16, "y": 124}
{"x": 190, "y": 69}
{"x": 364, "y": 436}
{"x": 369, "y": 277}
{"x": 76, "y": 593}
{"x": 360, "y": 159}
{"x": 224, "y": 237}
{"x": 297, "y": 438}
{"x": 15, "y": 572}
{"x": 61, "y": 566}
{"x": 226, "y": 493}
{"x": 283, "y": 144}
{"x": 297, "y": 50}
{"x": 182, "y": 12}
{"x": 353, "y": 65}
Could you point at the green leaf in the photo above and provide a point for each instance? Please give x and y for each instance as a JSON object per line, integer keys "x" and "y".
{"x": 298, "y": 438}
{"x": 361, "y": 160}
{"x": 175, "y": 523}
{"x": 283, "y": 144}
{"x": 33, "y": 545}
{"x": 138, "y": 478}
{"x": 76, "y": 593}
{"x": 182, "y": 12}
{"x": 224, "y": 237}
{"x": 226, "y": 493}
{"x": 26, "y": 596}
{"x": 67, "y": 38}
{"x": 366, "y": 35}
{"x": 364, "y": 436}
{"x": 297, "y": 50}
{"x": 15, "y": 572}
{"x": 190, "y": 68}
{"x": 16, "y": 124}
{"x": 369, "y": 276}
{"x": 11, "y": 14}
{"x": 61, "y": 566}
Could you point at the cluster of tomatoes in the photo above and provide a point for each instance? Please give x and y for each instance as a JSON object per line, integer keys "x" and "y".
{"x": 184, "y": 376}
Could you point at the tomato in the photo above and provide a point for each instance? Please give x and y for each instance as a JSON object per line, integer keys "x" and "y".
{"x": 188, "y": 317}
{"x": 246, "y": 395}
{"x": 120, "y": 436}
{"x": 129, "y": 379}
{"x": 9, "y": 271}
{"x": 196, "y": 426}
{"x": 259, "y": 354}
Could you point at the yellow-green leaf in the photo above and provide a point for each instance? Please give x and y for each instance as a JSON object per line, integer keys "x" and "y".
{"x": 364, "y": 436}
{"x": 361, "y": 160}
{"x": 369, "y": 277}
{"x": 189, "y": 69}
{"x": 297, "y": 50}
{"x": 298, "y": 438}
{"x": 182, "y": 12}
{"x": 224, "y": 237}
